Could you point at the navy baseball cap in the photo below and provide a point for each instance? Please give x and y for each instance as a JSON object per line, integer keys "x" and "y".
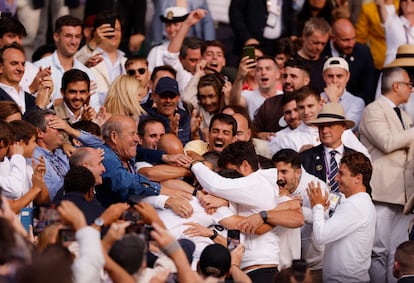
{"x": 167, "y": 85}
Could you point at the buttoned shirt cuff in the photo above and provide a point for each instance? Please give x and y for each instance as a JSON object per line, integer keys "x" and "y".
{"x": 318, "y": 212}
{"x": 157, "y": 201}
{"x": 151, "y": 188}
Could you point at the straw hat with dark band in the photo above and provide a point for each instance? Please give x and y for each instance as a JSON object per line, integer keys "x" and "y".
{"x": 333, "y": 113}
{"x": 404, "y": 57}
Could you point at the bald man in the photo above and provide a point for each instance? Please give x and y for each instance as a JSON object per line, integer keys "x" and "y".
{"x": 343, "y": 43}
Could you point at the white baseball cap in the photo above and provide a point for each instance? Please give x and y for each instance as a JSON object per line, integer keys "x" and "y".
{"x": 337, "y": 62}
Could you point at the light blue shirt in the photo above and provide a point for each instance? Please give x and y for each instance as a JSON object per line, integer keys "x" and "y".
{"x": 353, "y": 106}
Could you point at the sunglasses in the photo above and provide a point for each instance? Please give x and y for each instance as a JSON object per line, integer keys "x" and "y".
{"x": 169, "y": 95}
{"x": 132, "y": 72}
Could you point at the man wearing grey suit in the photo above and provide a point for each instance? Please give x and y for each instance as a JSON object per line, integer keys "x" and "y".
{"x": 386, "y": 132}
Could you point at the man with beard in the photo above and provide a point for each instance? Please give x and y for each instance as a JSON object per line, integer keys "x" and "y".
{"x": 293, "y": 181}
{"x": 75, "y": 92}
{"x": 268, "y": 80}
{"x": 291, "y": 117}
{"x": 266, "y": 121}
{"x": 222, "y": 132}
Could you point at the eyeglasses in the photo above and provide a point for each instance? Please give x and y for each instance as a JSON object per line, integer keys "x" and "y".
{"x": 409, "y": 84}
{"x": 132, "y": 72}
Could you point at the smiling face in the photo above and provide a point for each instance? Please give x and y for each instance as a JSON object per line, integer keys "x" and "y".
{"x": 291, "y": 114}
{"x": 12, "y": 68}
{"x": 126, "y": 140}
{"x": 51, "y": 138}
{"x": 75, "y": 95}
{"x": 209, "y": 99}
{"x": 309, "y": 108}
{"x": 166, "y": 103}
{"x": 266, "y": 74}
{"x": 67, "y": 40}
{"x": 171, "y": 29}
{"x": 112, "y": 43}
{"x": 220, "y": 136}
{"x": 345, "y": 180}
{"x": 214, "y": 56}
{"x": 294, "y": 79}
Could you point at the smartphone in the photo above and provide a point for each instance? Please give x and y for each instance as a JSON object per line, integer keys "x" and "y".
{"x": 111, "y": 20}
{"x": 147, "y": 233}
{"x": 46, "y": 215}
{"x": 131, "y": 215}
{"x": 233, "y": 239}
{"x": 299, "y": 269}
{"x": 26, "y": 217}
{"x": 249, "y": 51}
{"x": 66, "y": 235}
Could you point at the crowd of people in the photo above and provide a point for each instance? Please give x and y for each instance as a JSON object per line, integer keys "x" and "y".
{"x": 269, "y": 143}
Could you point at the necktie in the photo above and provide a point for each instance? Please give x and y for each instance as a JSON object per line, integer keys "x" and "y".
{"x": 398, "y": 111}
{"x": 333, "y": 170}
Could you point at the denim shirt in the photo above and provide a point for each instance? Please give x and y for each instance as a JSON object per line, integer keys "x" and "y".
{"x": 57, "y": 165}
{"x": 119, "y": 184}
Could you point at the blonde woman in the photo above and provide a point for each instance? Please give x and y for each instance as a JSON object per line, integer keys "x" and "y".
{"x": 124, "y": 97}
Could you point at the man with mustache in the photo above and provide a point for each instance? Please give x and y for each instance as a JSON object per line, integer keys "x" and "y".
{"x": 292, "y": 182}
{"x": 267, "y": 120}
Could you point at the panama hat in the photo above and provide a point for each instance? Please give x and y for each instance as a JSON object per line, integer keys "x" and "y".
{"x": 404, "y": 57}
{"x": 333, "y": 113}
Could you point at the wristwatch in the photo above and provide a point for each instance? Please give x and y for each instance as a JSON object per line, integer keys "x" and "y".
{"x": 215, "y": 234}
{"x": 99, "y": 222}
{"x": 263, "y": 214}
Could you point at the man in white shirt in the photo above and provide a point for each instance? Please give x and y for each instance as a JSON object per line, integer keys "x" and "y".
{"x": 253, "y": 193}
{"x": 348, "y": 235}
{"x": 306, "y": 135}
{"x": 67, "y": 37}
{"x": 268, "y": 80}
{"x": 291, "y": 117}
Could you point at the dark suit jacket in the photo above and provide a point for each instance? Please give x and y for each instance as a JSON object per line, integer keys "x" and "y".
{"x": 29, "y": 99}
{"x": 313, "y": 160}
{"x": 362, "y": 81}
{"x": 248, "y": 20}
{"x": 408, "y": 279}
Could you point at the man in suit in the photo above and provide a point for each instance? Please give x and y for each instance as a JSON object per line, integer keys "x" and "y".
{"x": 12, "y": 67}
{"x": 404, "y": 262}
{"x": 343, "y": 43}
{"x": 385, "y": 131}
{"x": 318, "y": 160}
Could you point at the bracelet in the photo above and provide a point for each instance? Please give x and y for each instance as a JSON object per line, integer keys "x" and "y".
{"x": 215, "y": 234}
{"x": 171, "y": 248}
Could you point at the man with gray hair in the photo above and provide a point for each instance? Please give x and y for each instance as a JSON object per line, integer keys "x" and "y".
{"x": 120, "y": 180}
{"x": 315, "y": 35}
{"x": 386, "y": 132}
